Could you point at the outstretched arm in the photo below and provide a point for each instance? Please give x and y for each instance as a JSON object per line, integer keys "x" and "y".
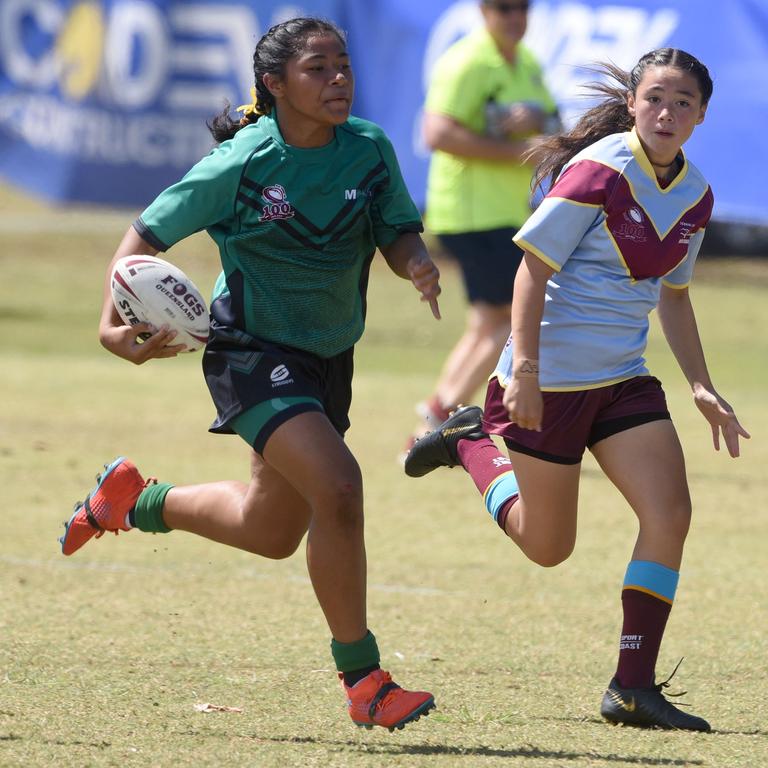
{"x": 678, "y": 322}
{"x": 124, "y": 340}
{"x": 408, "y": 258}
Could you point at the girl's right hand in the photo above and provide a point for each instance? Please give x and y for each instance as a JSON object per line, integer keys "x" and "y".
{"x": 126, "y": 341}
{"x": 524, "y": 403}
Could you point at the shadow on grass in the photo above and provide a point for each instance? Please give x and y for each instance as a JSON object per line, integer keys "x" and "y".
{"x": 599, "y": 721}
{"x": 530, "y": 752}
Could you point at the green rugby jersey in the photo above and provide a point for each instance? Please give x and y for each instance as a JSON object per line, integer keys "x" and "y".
{"x": 296, "y": 229}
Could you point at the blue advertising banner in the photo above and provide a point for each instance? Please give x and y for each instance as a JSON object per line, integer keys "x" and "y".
{"x": 394, "y": 62}
{"x": 106, "y": 100}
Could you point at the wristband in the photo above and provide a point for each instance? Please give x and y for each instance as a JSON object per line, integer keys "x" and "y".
{"x": 526, "y": 369}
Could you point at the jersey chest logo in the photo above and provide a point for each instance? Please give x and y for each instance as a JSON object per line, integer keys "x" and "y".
{"x": 645, "y": 252}
{"x": 353, "y": 194}
{"x": 631, "y": 226}
{"x": 277, "y": 205}
{"x": 685, "y": 230}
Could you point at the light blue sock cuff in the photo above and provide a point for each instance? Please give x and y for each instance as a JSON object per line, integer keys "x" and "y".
{"x": 652, "y": 578}
{"x": 499, "y": 492}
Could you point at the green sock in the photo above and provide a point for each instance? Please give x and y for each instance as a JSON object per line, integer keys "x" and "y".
{"x": 148, "y": 512}
{"x": 358, "y": 655}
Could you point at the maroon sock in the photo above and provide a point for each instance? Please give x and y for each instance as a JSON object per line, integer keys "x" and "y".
{"x": 645, "y": 618}
{"x": 483, "y": 460}
{"x": 501, "y": 520}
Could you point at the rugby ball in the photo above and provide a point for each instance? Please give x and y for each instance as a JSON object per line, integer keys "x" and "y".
{"x": 147, "y": 289}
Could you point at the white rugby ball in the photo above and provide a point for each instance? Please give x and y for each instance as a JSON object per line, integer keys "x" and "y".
{"x": 147, "y": 289}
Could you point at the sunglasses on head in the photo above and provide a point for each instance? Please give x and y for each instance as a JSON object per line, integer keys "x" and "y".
{"x": 503, "y": 7}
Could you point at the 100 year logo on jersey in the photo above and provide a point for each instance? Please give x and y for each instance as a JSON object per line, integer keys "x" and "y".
{"x": 277, "y": 205}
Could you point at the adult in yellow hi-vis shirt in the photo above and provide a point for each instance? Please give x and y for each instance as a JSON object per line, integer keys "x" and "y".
{"x": 486, "y": 104}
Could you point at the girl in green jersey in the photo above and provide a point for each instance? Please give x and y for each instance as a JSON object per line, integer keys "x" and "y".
{"x": 295, "y": 144}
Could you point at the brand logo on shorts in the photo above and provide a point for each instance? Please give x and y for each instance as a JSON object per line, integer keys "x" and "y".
{"x": 277, "y": 205}
{"x": 280, "y": 376}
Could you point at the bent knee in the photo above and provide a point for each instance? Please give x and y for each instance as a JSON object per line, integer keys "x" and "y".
{"x": 277, "y": 546}
{"x": 342, "y": 504}
{"x": 672, "y": 521}
{"x": 279, "y": 550}
{"x": 550, "y": 556}
{"x": 681, "y": 520}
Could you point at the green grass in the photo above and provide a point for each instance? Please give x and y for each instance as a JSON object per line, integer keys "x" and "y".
{"x": 105, "y": 655}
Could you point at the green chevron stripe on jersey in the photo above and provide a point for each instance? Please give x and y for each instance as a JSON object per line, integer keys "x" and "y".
{"x": 296, "y": 229}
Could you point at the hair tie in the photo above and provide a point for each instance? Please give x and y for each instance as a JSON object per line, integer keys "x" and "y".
{"x": 252, "y": 108}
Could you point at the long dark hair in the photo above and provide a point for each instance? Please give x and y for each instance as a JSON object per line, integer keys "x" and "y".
{"x": 611, "y": 115}
{"x": 280, "y": 44}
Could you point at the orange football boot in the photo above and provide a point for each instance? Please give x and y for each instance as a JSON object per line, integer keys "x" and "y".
{"x": 377, "y": 700}
{"x": 105, "y": 507}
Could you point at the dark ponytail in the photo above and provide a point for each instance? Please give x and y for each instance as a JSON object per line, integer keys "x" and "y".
{"x": 611, "y": 114}
{"x": 280, "y": 44}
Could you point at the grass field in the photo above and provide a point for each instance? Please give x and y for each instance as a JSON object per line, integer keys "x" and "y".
{"x": 105, "y": 655}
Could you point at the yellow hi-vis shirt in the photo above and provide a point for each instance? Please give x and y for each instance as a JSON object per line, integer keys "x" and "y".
{"x": 467, "y": 194}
